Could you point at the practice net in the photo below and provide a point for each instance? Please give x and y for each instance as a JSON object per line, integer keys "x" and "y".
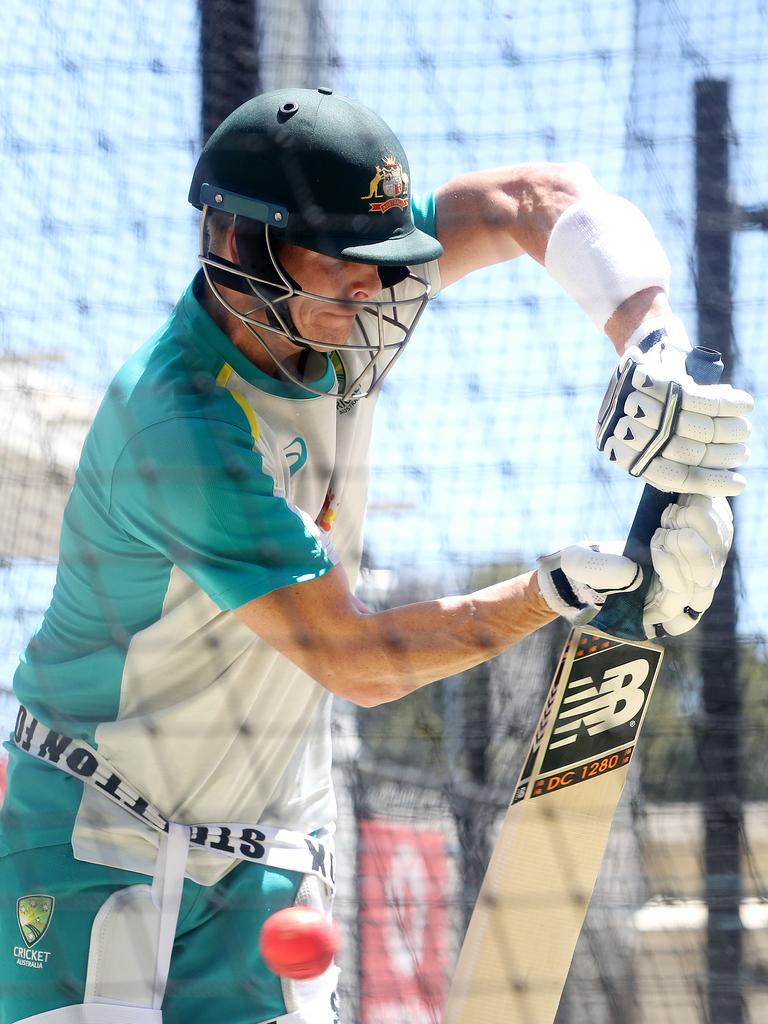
{"x": 482, "y": 451}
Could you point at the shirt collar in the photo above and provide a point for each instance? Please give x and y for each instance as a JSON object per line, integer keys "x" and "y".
{"x": 206, "y": 333}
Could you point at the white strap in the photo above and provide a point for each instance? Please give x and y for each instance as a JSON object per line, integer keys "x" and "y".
{"x": 166, "y": 895}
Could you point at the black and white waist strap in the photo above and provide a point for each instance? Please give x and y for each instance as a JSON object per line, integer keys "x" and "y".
{"x": 261, "y": 844}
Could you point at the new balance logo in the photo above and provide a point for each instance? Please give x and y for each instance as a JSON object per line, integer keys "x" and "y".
{"x": 611, "y": 703}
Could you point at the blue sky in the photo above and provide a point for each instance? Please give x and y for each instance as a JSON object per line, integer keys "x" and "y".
{"x": 483, "y": 446}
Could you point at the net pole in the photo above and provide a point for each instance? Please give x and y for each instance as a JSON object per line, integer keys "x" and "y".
{"x": 720, "y": 737}
{"x": 466, "y": 709}
{"x": 229, "y": 63}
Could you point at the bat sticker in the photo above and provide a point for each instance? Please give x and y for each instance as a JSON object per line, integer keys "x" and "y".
{"x": 603, "y": 703}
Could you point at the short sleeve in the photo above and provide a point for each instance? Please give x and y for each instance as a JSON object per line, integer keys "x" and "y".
{"x": 423, "y": 207}
{"x": 195, "y": 490}
{"x": 424, "y": 213}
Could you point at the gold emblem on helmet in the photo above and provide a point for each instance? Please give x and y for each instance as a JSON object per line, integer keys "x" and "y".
{"x": 389, "y": 186}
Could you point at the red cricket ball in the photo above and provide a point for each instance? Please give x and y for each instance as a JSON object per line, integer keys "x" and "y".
{"x": 298, "y": 942}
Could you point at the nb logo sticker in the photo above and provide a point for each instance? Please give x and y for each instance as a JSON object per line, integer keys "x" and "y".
{"x": 602, "y": 705}
{"x": 614, "y": 702}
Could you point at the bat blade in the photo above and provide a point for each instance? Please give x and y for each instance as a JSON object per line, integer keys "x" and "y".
{"x": 523, "y": 932}
{"x": 531, "y": 908}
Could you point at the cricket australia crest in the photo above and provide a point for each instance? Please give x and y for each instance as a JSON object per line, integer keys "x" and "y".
{"x": 388, "y": 187}
{"x": 33, "y": 914}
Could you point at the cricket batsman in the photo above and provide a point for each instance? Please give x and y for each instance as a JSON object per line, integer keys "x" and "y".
{"x": 170, "y": 769}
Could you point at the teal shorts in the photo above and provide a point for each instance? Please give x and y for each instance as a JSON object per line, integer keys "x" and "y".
{"x": 48, "y": 901}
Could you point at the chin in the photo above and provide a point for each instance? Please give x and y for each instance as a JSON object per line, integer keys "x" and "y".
{"x": 336, "y": 335}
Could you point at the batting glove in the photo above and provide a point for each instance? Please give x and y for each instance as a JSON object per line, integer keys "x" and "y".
{"x": 657, "y": 423}
{"x": 576, "y": 581}
{"x": 689, "y": 551}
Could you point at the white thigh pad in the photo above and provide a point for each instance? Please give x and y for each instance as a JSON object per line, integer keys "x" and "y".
{"x": 132, "y": 934}
{"x": 122, "y": 961}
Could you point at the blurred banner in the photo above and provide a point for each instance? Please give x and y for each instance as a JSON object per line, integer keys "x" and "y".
{"x": 403, "y": 924}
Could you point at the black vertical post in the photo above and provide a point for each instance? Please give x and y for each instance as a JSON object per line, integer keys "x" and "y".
{"x": 720, "y": 735}
{"x": 473, "y": 823}
{"x": 466, "y": 710}
{"x": 228, "y": 57}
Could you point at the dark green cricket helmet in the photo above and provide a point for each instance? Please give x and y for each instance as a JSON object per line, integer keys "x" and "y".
{"x": 327, "y": 173}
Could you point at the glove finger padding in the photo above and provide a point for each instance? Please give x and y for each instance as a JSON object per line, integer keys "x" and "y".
{"x": 720, "y": 401}
{"x": 683, "y": 559}
{"x": 576, "y": 581}
{"x": 641, "y": 411}
{"x": 677, "y": 477}
{"x": 602, "y": 567}
{"x": 686, "y": 450}
{"x": 653, "y": 372}
{"x": 711, "y": 517}
{"x": 657, "y": 423}
{"x": 689, "y": 551}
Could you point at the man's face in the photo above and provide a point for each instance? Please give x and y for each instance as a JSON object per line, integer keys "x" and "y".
{"x": 334, "y": 279}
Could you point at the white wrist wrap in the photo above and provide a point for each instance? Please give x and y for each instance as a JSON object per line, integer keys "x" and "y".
{"x": 602, "y": 250}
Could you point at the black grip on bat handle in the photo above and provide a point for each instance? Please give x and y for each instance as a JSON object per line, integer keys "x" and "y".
{"x": 622, "y": 614}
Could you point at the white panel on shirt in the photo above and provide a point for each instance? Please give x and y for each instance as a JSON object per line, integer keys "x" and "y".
{"x": 214, "y": 725}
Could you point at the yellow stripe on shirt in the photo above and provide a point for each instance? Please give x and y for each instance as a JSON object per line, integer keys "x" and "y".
{"x": 222, "y": 380}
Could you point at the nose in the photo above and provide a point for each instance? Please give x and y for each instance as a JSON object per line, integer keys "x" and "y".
{"x": 365, "y": 282}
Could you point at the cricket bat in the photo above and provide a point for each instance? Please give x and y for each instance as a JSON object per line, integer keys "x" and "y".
{"x": 520, "y": 942}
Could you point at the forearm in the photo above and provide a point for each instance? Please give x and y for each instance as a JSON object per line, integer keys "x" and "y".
{"x": 374, "y": 657}
{"x": 402, "y": 649}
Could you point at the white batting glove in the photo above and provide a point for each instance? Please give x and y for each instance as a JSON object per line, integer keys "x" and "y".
{"x": 657, "y": 423}
{"x": 576, "y": 581}
{"x": 689, "y": 551}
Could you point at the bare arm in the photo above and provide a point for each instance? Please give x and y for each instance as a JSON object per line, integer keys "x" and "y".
{"x": 374, "y": 657}
{"x": 488, "y": 217}
{"x": 630, "y": 314}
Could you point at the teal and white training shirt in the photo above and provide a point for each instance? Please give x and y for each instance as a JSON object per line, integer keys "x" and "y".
{"x": 203, "y": 484}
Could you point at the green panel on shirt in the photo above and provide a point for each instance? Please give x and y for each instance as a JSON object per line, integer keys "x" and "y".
{"x": 167, "y": 477}
{"x": 425, "y": 213}
{"x": 195, "y": 491}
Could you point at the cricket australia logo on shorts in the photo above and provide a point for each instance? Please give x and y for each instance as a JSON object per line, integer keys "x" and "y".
{"x": 33, "y": 914}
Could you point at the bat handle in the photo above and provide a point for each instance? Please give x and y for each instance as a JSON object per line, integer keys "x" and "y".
{"x": 622, "y": 614}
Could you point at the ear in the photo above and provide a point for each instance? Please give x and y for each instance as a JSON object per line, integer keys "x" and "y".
{"x": 232, "y": 252}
